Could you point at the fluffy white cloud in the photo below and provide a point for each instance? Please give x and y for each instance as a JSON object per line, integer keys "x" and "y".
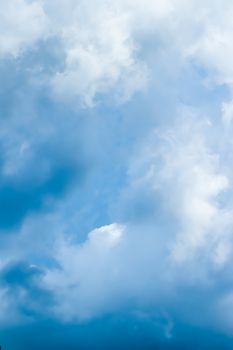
{"x": 103, "y": 42}
{"x": 212, "y": 47}
{"x": 100, "y": 57}
{"x": 22, "y": 23}
{"x": 85, "y": 281}
{"x": 120, "y": 263}
{"x": 187, "y": 174}
{"x": 103, "y": 46}
{"x": 187, "y": 177}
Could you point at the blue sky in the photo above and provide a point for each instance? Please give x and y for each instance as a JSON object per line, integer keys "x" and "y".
{"x": 116, "y": 197}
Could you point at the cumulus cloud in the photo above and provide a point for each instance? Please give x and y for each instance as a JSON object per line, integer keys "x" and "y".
{"x": 189, "y": 176}
{"x": 143, "y": 260}
{"x": 85, "y": 286}
{"x": 101, "y": 53}
{"x": 100, "y": 57}
{"x": 102, "y": 47}
{"x": 157, "y": 196}
{"x": 192, "y": 182}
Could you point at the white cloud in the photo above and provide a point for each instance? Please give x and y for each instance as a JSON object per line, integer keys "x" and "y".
{"x": 22, "y": 23}
{"x": 103, "y": 49}
{"x": 213, "y": 46}
{"x": 100, "y": 58}
{"x": 85, "y": 281}
{"x": 186, "y": 172}
{"x": 103, "y": 42}
{"x": 119, "y": 263}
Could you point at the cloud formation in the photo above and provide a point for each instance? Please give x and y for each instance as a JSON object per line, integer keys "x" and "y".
{"x": 116, "y": 173}
{"x": 23, "y": 24}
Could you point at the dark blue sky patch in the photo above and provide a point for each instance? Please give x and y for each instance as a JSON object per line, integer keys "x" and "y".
{"x": 19, "y": 274}
{"x": 22, "y": 282}
{"x": 18, "y": 197}
{"x": 114, "y": 333}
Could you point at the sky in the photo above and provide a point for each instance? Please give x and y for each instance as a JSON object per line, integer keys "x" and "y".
{"x": 116, "y": 174}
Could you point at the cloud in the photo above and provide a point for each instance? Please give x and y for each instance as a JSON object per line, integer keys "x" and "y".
{"x": 116, "y": 210}
{"x": 191, "y": 181}
{"x": 23, "y": 23}
{"x": 81, "y": 292}
{"x": 102, "y": 53}
{"x": 100, "y": 57}
{"x": 212, "y": 47}
{"x": 184, "y": 244}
